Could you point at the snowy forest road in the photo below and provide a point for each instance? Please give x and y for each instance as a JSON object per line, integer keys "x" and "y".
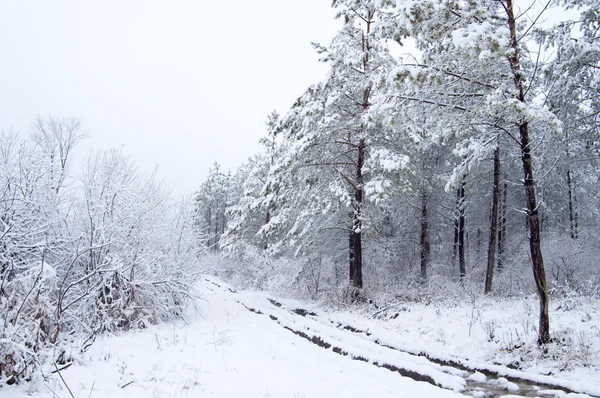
{"x": 223, "y": 351}
{"x": 245, "y": 344}
{"x": 360, "y": 345}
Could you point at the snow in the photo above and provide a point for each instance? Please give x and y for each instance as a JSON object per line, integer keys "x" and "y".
{"x": 478, "y": 394}
{"x": 224, "y": 351}
{"x": 483, "y": 335}
{"x": 246, "y": 344}
{"x": 359, "y": 347}
{"x": 504, "y": 384}
{"x": 553, "y": 393}
{"x": 478, "y": 377}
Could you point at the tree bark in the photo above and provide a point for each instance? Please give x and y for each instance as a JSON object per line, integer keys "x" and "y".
{"x": 502, "y": 230}
{"x": 478, "y": 248}
{"x": 355, "y": 240}
{"x": 572, "y": 207}
{"x": 216, "y": 240}
{"x": 573, "y": 216}
{"x": 539, "y": 274}
{"x": 425, "y": 246}
{"x": 223, "y": 215}
{"x": 209, "y": 222}
{"x": 456, "y": 228}
{"x": 491, "y": 259}
{"x": 267, "y": 220}
{"x": 462, "y": 266}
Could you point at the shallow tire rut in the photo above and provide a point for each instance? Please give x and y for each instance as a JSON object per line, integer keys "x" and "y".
{"x": 339, "y": 350}
{"x": 451, "y": 367}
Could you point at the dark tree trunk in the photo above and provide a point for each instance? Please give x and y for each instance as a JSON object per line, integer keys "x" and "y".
{"x": 216, "y": 240}
{"x": 502, "y": 231}
{"x": 491, "y": 259}
{"x": 539, "y": 274}
{"x": 456, "y": 228}
{"x": 462, "y": 266}
{"x": 209, "y": 222}
{"x": 351, "y": 254}
{"x": 355, "y": 244}
{"x": 479, "y": 242}
{"x": 572, "y": 204}
{"x": 224, "y": 216}
{"x": 541, "y": 211}
{"x": 355, "y": 238}
{"x": 267, "y": 219}
{"x": 425, "y": 246}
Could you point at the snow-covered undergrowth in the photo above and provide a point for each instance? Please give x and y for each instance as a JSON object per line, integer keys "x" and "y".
{"x": 445, "y": 321}
{"x": 100, "y": 252}
{"x": 223, "y": 351}
{"x": 250, "y": 344}
{"x": 493, "y": 331}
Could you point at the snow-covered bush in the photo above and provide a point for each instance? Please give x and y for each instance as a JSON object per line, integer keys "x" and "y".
{"x": 29, "y": 256}
{"x": 27, "y": 316}
{"x": 108, "y": 252}
{"x": 141, "y": 251}
{"x": 252, "y": 268}
{"x": 570, "y": 267}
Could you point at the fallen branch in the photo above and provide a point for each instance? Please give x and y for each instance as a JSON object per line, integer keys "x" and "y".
{"x": 63, "y": 380}
{"x": 63, "y": 368}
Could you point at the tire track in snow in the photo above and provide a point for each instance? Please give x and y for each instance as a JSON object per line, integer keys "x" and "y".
{"x": 338, "y": 350}
{"x": 503, "y": 381}
{"x": 448, "y": 373}
{"x": 342, "y": 343}
{"x": 490, "y": 371}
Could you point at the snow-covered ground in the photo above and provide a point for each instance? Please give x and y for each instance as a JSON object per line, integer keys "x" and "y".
{"x": 225, "y": 351}
{"x": 247, "y": 344}
{"x": 494, "y": 334}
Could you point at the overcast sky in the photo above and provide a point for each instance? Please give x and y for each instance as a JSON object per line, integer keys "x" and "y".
{"x": 176, "y": 84}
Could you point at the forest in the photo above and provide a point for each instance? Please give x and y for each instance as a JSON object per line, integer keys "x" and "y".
{"x": 449, "y": 156}
{"x": 466, "y": 162}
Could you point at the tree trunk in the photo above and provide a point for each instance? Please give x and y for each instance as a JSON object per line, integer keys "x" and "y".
{"x": 478, "y": 248}
{"x": 355, "y": 240}
{"x": 355, "y": 244}
{"x": 572, "y": 207}
{"x": 502, "y": 231}
{"x": 425, "y": 246}
{"x": 209, "y": 222}
{"x": 223, "y": 215}
{"x": 573, "y": 216}
{"x": 456, "y": 228}
{"x": 267, "y": 220}
{"x": 462, "y": 266}
{"x": 216, "y": 240}
{"x": 351, "y": 252}
{"x": 539, "y": 274}
{"x": 491, "y": 259}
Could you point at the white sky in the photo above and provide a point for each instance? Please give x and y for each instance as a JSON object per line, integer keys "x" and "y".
{"x": 176, "y": 84}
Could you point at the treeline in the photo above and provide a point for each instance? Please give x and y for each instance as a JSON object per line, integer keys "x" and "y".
{"x": 103, "y": 250}
{"x": 473, "y": 157}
